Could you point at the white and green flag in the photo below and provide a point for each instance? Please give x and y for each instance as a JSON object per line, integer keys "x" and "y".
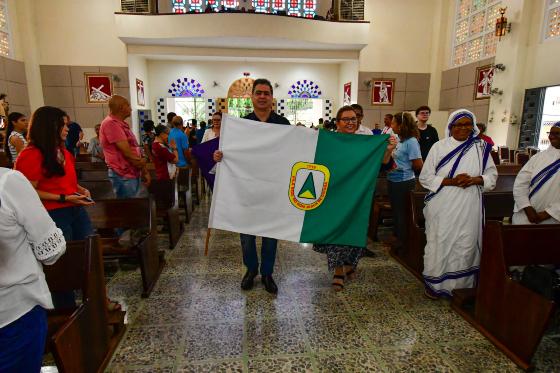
{"x": 295, "y": 183}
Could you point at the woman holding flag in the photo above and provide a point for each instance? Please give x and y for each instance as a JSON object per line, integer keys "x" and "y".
{"x": 343, "y": 259}
{"x": 456, "y": 172}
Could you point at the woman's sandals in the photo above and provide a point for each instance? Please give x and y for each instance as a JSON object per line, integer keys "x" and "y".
{"x": 338, "y": 282}
{"x": 349, "y": 272}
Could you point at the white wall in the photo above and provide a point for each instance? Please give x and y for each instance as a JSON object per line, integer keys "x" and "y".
{"x": 348, "y": 72}
{"x": 78, "y": 32}
{"x": 163, "y": 73}
{"x": 400, "y": 35}
{"x": 138, "y": 69}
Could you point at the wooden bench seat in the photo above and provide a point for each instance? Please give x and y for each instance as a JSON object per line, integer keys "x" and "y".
{"x": 82, "y": 339}
{"x": 510, "y": 315}
{"x": 498, "y": 205}
{"x": 165, "y": 194}
{"x": 132, "y": 213}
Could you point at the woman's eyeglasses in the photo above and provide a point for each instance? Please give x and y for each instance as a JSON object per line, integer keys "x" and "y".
{"x": 349, "y": 120}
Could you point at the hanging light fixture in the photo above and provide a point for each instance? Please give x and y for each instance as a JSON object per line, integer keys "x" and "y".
{"x": 502, "y": 25}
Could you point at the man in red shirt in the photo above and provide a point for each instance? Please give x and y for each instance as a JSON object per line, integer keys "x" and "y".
{"x": 121, "y": 150}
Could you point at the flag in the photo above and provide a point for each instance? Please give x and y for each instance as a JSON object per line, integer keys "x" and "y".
{"x": 294, "y": 183}
{"x": 204, "y": 154}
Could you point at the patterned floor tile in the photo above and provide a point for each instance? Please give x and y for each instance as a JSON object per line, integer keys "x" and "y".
{"x": 299, "y": 364}
{"x": 478, "y": 357}
{"x": 320, "y": 301}
{"x": 141, "y": 369}
{"x": 215, "y": 309}
{"x": 229, "y": 366}
{"x": 388, "y": 328}
{"x": 163, "y": 310}
{"x": 274, "y": 337}
{"x": 547, "y": 357}
{"x": 213, "y": 341}
{"x": 349, "y": 362}
{"x": 149, "y": 346}
{"x": 259, "y": 306}
{"x": 417, "y": 360}
{"x": 339, "y": 333}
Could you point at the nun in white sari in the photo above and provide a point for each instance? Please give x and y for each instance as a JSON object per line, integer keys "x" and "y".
{"x": 456, "y": 172}
{"x": 537, "y": 186}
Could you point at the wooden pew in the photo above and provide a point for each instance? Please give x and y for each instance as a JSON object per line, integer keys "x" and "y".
{"x": 498, "y": 205}
{"x": 83, "y": 157}
{"x": 508, "y": 169}
{"x": 166, "y": 197}
{"x": 84, "y": 338}
{"x": 381, "y": 207}
{"x": 4, "y": 161}
{"x": 99, "y": 189}
{"x": 92, "y": 174}
{"x": 132, "y": 213}
{"x": 510, "y": 315}
{"x": 90, "y": 166}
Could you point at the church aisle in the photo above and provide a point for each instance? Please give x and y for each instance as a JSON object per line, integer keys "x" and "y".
{"x": 199, "y": 320}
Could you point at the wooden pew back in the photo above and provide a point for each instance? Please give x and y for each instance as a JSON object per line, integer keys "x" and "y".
{"x": 135, "y": 213}
{"x": 99, "y": 189}
{"x": 92, "y": 174}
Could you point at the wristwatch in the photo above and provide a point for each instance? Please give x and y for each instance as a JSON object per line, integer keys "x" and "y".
{"x": 62, "y": 198}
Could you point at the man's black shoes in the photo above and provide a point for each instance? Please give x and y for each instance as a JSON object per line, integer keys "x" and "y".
{"x": 247, "y": 282}
{"x": 269, "y": 284}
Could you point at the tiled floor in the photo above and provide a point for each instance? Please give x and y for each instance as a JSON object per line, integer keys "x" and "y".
{"x": 198, "y": 319}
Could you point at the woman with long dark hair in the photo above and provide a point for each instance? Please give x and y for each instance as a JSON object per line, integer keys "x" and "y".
{"x": 50, "y": 169}
{"x": 15, "y": 141}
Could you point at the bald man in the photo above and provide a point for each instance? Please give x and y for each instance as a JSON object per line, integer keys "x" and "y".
{"x": 121, "y": 150}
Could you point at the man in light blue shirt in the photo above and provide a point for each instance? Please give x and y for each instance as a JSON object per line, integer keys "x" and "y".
{"x": 181, "y": 141}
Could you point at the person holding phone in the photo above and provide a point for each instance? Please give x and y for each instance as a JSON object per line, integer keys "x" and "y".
{"x": 49, "y": 166}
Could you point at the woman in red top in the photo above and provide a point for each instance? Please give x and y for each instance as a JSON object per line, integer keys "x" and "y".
{"x": 50, "y": 169}
{"x": 163, "y": 155}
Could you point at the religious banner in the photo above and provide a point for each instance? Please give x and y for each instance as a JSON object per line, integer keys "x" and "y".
{"x": 140, "y": 98}
{"x": 348, "y": 93}
{"x": 204, "y": 154}
{"x": 322, "y": 181}
{"x": 99, "y": 87}
{"x": 382, "y": 91}
{"x": 483, "y": 84}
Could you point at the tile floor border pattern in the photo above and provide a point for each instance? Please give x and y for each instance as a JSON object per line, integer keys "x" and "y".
{"x": 369, "y": 357}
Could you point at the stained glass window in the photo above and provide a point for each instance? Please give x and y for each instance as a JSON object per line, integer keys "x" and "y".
{"x": 214, "y": 4}
{"x": 293, "y": 8}
{"x": 261, "y": 6}
{"x": 196, "y": 5}
{"x": 552, "y": 20}
{"x": 309, "y": 7}
{"x": 179, "y": 6}
{"x": 231, "y": 4}
{"x": 278, "y": 5}
{"x": 474, "y": 38}
{"x": 5, "y": 44}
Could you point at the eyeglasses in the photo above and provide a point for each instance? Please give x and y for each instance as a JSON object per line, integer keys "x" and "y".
{"x": 349, "y": 120}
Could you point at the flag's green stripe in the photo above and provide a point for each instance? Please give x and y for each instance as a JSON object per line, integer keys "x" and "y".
{"x": 353, "y": 162}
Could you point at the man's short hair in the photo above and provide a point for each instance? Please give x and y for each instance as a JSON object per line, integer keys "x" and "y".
{"x": 357, "y": 107}
{"x": 422, "y": 108}
{"x": 262, "y": 81}
{"x": 177, "y": 121}
{"x": 170, "y": 116}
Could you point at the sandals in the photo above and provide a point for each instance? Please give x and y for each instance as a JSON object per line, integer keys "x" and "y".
{"x": 430, "y": 295}
{"x": 350, "y": 274}
{"x": 338, "y": 285}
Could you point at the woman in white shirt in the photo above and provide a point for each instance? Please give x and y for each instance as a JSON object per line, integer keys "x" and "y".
{"x": 15, "y": 139}
{"x": 213, "y": 132}
{"x": 28, "y": 237}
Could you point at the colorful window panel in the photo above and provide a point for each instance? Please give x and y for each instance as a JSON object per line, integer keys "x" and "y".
{"x": 195, "y": 6}
{"x": 475, "y": 49}
{"x": 490, "y": 44}
{"x": 463, "y": 8}
{"x": 460, "y": 54}
{"x": 214, "y": 4}
{"x": 293, "y": 8}
{"x": 231, "y": 4}
{"x": 5, "y": 45}
{"x": 462, "y": 31}
{"x": 491, "y": 15}
{"x": 278, "y": 6}
{"x": 309, "y": 8}
{"x": 552, "y": 20}
{"x": 261, "y": 6}
{"x": 179, "y": 6}
{"x": 477, "y": 23}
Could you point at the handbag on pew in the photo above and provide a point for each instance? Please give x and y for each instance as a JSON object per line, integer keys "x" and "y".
{"x": 542, "y": 280}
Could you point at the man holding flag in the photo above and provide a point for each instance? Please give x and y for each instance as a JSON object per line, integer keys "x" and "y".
{"x": 262, "y": 96}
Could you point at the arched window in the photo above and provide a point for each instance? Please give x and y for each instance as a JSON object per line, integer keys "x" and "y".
{"x": 293, "y": 8}
{"x": 297, "y": 8}
{"x": 230, "y": 4}
{"x": 196, "y": 5}
{"x": 5, "y": 40}
{"x": 261, "y": 6}
{"x": 278, "y": 6}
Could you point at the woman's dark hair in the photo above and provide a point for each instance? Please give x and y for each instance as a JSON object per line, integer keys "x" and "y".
{"x": 161, "y": 129}
{"x": 342, "y": 110}
{"x": 148, "y": 126}
{"x": 13, "y": 117}
{"x": 407, "y": 125}
{"x": 44, "y": 133}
